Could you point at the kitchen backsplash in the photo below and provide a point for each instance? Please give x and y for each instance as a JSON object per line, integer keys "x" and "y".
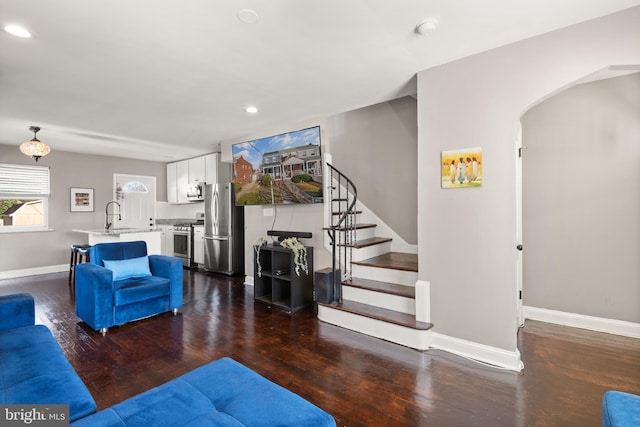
{"x": 170, "y": 210}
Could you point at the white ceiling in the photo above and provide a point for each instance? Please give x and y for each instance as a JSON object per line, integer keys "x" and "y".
{"x": 167, "y": 79}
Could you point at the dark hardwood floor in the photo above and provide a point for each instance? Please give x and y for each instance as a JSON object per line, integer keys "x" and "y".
{"x": 361, "y": 381}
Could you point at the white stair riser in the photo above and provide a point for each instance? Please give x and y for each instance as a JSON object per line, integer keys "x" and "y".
{"x": 409, "y": 337}
{"x": 360, "y": 234}
{"x": 365, "y": 233}
{"x": 370, "y": 251}
{"x": 379, "y": 299}
{"x": 402, "y": 277}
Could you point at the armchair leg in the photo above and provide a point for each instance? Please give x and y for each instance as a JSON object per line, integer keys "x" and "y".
{"x": 103, "y": 331}
{"x": 175, "y": 311}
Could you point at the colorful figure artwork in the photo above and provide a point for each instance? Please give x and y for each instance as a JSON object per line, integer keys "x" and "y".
{"x": 462, "y": 168}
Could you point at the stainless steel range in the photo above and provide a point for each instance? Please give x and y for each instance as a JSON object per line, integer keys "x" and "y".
{"x": 183, "y": 244}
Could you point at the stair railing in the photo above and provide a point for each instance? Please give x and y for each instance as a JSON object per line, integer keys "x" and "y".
{"x": 342, "y": 229}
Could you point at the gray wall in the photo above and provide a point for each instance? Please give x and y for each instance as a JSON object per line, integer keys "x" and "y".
{"x": 581, "y": 204}
{"x": 47, "y": 248}
{"x": 376, "y": 147}
{"x": 467, "y": 237}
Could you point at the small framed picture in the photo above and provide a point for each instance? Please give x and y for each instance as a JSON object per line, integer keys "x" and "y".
{"x": 81, "y": 199}
{"x": 461, "y": 168}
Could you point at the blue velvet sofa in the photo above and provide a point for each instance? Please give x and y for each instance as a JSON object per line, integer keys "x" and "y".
{"x": 33, "y": 368}
{"x": 121, "y": 283}
{"x": 620, "y": 409}
{"x": 220, "y": 393}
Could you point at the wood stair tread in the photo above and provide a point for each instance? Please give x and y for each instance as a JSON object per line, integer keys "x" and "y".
{"x": 363, "y": 243}
{"x": 346, "y": 212}
{"x": 382, "y": 287}
{"x": 382, "y": 314}
{"x": 356, "y": 226}
{"x": 392, "y": 260}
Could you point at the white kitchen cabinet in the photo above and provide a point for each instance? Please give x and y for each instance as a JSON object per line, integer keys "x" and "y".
{"x": 186, "y": 174}
{"x": 198, "y": 244}
{"x": 183, "y": 180}
{"x": 172, "y": 182}
{"x": 216, "y": 170}
{"x": 164, "y": 239}
{"x": 168, "y": 240}
{"x": 197, "y": 171}
{"x": 177, "y": 182}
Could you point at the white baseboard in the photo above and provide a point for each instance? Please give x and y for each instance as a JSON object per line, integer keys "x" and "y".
{"x": 485, "y": 354}
{"x": 12, "y": 274}
{"x": 599, "y": 324}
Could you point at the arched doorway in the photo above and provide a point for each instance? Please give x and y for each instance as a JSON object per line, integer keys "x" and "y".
{"x": 578, "y": 219}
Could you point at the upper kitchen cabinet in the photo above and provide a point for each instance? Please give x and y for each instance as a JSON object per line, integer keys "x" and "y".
{"x": 172, "y": 182}
{"x": 217, "y": 171}
{"x": 197, "y": 171}
{"x": 177, "y": 182}
{"x": 184, "y": 176}
{"x": 182, "y": 180}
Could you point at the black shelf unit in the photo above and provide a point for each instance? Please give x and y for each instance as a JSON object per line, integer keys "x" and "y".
{"x": 286, "y": 291}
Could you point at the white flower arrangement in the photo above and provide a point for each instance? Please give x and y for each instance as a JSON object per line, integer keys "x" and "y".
{"x": 299, "y": 253}
{"x": 257, "y": 245}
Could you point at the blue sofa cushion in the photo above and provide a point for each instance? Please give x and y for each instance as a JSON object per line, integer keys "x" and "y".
{"x": 116, "y": 251}
{"x": 33, "y": 370}
{"x": 16, "y": 310}
{"x": 138, "y": 289}
{"x": 620, "y": 409}
{"x": 125, "y": 268}
{"x": 221, "y": 393}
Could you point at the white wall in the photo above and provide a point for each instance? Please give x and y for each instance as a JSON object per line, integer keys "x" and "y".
{"x": 581, "y": 181}
{"x": 467, "y": 237}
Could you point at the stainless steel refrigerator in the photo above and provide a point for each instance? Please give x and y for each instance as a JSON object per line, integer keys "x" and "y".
{"x": 223, "y": 230}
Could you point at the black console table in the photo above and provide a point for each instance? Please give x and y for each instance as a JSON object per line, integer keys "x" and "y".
{"x": 278, "y": 284}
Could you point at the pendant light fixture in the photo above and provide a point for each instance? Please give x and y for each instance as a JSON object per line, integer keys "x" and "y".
{"x": 35, "y": 148}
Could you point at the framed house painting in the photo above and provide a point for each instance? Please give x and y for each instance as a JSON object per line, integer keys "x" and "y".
{"x": 461, "y": 168}
{"x": 81, "y": 199}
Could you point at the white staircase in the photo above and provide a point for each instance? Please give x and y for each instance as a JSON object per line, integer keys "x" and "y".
{"x": 378, "y": 286}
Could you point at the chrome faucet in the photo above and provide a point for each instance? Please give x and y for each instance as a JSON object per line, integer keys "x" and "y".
{"x": 107, "y": 224}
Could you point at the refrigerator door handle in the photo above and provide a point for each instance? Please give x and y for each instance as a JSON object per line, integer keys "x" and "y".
{"x": 215, "y": 210}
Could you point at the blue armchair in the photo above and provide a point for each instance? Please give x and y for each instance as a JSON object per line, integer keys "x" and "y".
{"x": 121, "y": 283}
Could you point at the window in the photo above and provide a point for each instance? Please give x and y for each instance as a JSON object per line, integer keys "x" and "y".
{"x": 135, "y": 187}
{"x": 24, "y": 197}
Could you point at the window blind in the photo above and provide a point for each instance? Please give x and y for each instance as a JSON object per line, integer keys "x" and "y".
{"x": 24, "y": 180}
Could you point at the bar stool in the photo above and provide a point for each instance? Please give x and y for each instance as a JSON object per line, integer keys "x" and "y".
{"x": 79, "y": 254}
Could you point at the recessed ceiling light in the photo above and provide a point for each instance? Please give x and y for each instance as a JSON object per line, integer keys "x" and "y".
{"x": 248, "y": 16}
{"x": 251, "y": 110}
{"x": 18, "y": 31}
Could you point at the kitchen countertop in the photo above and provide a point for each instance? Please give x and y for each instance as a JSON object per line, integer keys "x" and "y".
{"x": 116, "y": 231}
{"x": 174, "y": 221}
